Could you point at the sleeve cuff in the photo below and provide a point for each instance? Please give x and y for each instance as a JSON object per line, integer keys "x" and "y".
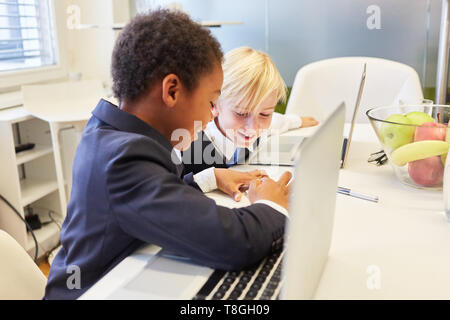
{"x": 206, "y": 180}
{"x": 275, "y": 206}
{"x": 282, "y": 123}
{"x": 294, "y": 121}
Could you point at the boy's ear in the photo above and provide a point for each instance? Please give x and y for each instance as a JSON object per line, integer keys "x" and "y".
{"x": 215, "y": 111}
{"x": 171, "y": 87}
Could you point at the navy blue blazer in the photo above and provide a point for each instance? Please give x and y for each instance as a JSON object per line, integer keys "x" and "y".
{"x": 127, "y": 192}
{"x": 194, "y": 159}
{"x": 202, "y": 155}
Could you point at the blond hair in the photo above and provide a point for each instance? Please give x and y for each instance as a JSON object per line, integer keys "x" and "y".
{"x": 249, "y": 77}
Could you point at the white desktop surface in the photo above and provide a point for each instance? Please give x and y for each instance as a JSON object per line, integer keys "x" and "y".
{"x": 398, "y": 248}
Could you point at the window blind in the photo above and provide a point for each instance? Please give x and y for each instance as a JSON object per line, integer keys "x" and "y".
{"x": 26, "y": 34}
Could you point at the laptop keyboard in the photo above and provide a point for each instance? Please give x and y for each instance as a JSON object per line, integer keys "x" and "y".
{"x": 261, "y": 282}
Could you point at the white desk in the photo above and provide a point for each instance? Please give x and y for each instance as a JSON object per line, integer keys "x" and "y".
{"x": 405, "y": 236}
{"x": 398, "y": 248}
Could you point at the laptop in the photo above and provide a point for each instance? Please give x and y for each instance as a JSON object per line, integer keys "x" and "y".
{"x": 293, "y": 272}
{"x": 278, "y": 150}
{"x": 347, "y": 141}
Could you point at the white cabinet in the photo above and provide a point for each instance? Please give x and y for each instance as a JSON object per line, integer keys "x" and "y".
{"x": 28, "y": 180}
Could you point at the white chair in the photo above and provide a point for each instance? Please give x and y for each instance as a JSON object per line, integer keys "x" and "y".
{"x": 321, "y": 85}
{"x": 20, "y": 277}
{"x": 63, "y": 105}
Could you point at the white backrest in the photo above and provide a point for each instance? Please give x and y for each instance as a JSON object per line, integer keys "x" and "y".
{"x": 64, "y": 101}
{"x": 311, "y": 208}
{"x": 20, "y": 277}
{"x": 320, "y": 86}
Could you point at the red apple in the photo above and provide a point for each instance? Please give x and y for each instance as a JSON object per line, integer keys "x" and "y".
{"x": 426, "y": 172}
{"x": 430, "y": 131}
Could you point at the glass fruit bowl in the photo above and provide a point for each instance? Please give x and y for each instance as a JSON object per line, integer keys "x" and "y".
{"x": 414, "y": 141}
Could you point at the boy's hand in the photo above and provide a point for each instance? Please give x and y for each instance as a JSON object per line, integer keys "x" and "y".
{"x": 234, "y": 182}
{"x": 309, "y": 122}
{"x": 268, "y": 189}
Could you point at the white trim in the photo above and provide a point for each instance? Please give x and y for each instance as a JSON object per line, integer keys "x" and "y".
{"x": 11, "y": 99}
{"x": 12, "y": 80}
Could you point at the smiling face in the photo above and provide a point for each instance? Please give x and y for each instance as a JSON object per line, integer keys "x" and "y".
{"x": 252, "y": 87}
{"x": 241, "y": 127}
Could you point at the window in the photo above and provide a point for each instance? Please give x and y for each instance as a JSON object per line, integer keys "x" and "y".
{"x": 27, "y": 35}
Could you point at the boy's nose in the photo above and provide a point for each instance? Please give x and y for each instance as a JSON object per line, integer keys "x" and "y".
{"x": 251, "y": 123}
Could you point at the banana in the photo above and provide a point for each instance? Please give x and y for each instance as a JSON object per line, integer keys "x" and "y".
{"x": 419, "y": 150}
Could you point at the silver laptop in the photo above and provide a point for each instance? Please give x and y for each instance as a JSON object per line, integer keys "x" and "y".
{"x": 291, "y": 273}
{"x": 347, "y": 141}
{"x": 312, "y": 207}
{"x": 277, "y": 150}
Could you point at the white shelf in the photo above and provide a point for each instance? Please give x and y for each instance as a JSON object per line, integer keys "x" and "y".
{"x": 120, "y": 26}
{"x": 47, "y": 237}
{"x": 40, "y": 186}
{"x": 33, "y": 189}
{"x": 36, "y": 152}
{"x": 14, "y": 115}
{"x": 218, "y": 23}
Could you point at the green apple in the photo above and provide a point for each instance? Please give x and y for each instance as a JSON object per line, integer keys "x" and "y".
{"x": 419, "y": 118}
{"x": 396, "y": 134}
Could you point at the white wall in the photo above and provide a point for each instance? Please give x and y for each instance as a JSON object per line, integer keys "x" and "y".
{"x": 89, "y": 50}
{"x": 306, "y": 31}
{"x": 297, "y": 32}
{"x": 294, "y": 32}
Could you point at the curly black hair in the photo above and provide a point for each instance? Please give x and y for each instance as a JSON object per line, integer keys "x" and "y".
{"x": 159, "y": 43}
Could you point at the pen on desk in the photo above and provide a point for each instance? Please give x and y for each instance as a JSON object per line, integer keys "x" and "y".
{"x": 355, "y": 194}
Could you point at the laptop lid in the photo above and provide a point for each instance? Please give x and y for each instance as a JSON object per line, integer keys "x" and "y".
{"x": 276, "y": 150}
{"x": 347, "y": 141}
{"x": 312, "y": 206}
